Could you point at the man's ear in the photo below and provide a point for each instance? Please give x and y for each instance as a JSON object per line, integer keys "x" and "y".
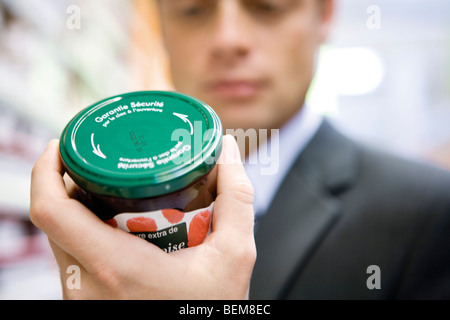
{"x": 326, "y": 18}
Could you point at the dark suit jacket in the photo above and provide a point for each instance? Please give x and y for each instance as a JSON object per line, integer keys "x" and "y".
{"x": 343, "y": 208}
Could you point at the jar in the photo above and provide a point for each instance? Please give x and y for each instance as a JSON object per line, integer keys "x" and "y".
{"x": 140, "y": 161}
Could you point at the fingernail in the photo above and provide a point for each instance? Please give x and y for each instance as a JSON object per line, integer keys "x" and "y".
{"x": 230, "y": 152}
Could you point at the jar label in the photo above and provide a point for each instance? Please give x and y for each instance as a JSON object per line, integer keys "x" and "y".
{"x": 169, "y": 229}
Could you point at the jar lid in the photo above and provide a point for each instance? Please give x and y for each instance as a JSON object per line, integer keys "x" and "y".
{"x": 141, "y": 144}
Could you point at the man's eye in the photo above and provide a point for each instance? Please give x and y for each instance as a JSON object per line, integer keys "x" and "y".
{"x": 268, "y": 7}
{"x": 265, "y": 6}
{"x": 193, "y": 11}
{"x": 196, "y": 9}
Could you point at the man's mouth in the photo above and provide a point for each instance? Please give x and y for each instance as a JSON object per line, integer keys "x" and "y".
{"x": 235, "y": 89}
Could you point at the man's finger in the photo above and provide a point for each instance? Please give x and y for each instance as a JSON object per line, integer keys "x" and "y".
{"x": 233, "y": 210}
{"x": 66, "y": 221}
{"x": 48, "y": 168}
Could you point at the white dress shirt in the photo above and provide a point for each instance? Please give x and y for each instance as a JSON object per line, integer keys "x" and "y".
{"x": 268, "y": 166}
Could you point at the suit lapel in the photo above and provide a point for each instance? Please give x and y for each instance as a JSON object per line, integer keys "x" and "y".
{"x": 302, "y": 213}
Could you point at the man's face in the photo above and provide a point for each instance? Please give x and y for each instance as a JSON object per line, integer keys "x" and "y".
{"x": 251, "y": 60}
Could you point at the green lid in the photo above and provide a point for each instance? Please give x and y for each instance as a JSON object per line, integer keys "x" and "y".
{"x": 141, "y": 144}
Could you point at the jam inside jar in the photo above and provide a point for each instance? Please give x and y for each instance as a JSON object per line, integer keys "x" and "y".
{"x": 141, "y": 162}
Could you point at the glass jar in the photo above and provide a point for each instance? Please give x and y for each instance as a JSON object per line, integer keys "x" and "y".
{"x": 141, "y": 160}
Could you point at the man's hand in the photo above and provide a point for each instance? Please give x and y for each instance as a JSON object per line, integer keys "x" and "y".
{"x": 117, "y": 265}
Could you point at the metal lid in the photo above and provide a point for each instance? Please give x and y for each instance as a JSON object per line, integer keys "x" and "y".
{"x": 141, "y": 144}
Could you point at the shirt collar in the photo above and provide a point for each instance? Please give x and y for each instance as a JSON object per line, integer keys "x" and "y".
{"x": 267, "y": 166}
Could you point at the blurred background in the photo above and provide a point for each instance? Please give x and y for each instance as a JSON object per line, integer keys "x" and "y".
{"x": 383, "y": 78}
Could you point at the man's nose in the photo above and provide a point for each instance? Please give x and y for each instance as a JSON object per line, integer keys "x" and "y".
{"x": 231, "y": 31}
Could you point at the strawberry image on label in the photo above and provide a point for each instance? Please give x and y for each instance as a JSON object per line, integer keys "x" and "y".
{"x": 199, "y": 227}
{"x": 141, "y": 224}
{"x": 173, "y": 215}
{"x": 112, "y": 222}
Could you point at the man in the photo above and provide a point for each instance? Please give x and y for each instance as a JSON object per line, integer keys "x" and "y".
{"x": 337, "y": 221}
